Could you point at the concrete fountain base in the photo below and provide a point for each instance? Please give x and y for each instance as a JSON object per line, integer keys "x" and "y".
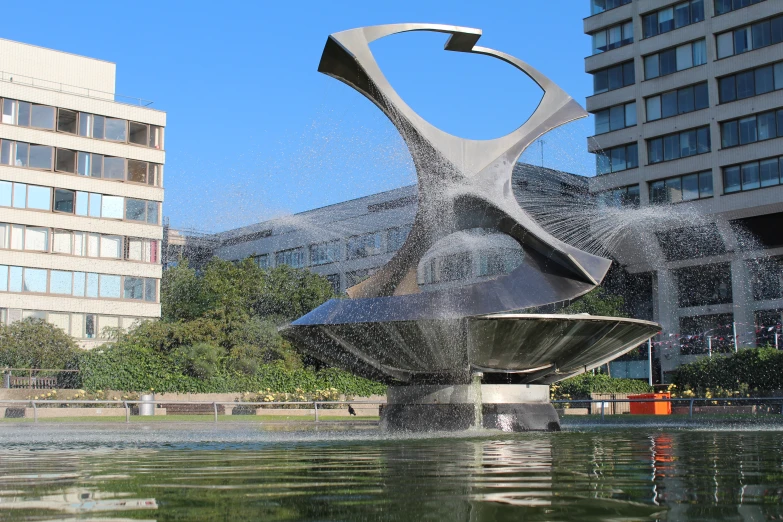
{"x": 505, "y": 407}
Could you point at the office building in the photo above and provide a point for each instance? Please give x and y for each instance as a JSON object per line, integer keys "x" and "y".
{"x": 81, "y": 188}
{"x": 688, "y": 108}
{"x": 348, "y": 241}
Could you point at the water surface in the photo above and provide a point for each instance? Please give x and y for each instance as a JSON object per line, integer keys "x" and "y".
{"x": 624, "y": 474}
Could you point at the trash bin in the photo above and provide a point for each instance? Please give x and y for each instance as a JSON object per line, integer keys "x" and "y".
{"x": 147, "y": 407}
{"x": 651, "y": 408}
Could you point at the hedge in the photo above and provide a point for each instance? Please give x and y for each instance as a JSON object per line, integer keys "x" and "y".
{"x": 132, "y": 368}
{"x": 759, "y": 370}
{"x": 581, "y": 386}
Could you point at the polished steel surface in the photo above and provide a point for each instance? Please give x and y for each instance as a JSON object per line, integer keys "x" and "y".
{"x": 391, "y": 330}
{"x": 535, "y": 348}
{"x": 465, "y": 183}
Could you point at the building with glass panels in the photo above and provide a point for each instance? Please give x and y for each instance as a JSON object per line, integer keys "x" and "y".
{"x": 348, "y": 241}
{"x": 81, "y": 188}
{"x": 688, "y": 109}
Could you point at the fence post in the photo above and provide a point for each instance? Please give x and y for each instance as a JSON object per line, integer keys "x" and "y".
{"x": 214, "y": 405}
{"x": 127, "y": 412}
{"x": 690, "y": 410}
{"x": 315, "y": 407}
{"x": 35, "y": 411}
{"x": 603, "y": 407}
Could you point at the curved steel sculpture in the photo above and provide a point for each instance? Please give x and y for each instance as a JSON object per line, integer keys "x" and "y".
{"x": 390, "y": 329}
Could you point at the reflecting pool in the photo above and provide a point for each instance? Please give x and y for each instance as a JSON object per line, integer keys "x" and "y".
{"x": 624, "y": 474}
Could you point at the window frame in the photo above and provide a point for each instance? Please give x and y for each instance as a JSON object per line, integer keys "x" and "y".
{"x": 739, "y": 166}
{"x": 777, "y": 116}
{"x": 670, "y": 136}
{"x": 749, "y": 36}
{"x": 681, "y": 177}
{"x": 673, "y": 49}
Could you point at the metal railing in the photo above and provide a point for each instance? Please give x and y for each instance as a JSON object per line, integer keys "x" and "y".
{"x": 33, "y": 380}
{"x": 690, "y": 401}
{"x": 72, "y": 89}
{"x": 215, "y": 404}
{"x": 127, "y": 404}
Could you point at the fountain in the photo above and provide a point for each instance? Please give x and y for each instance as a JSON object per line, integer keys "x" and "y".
{"x": 465, "y": 356}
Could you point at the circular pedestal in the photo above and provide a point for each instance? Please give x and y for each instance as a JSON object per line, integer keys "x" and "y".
{"x": 505, "y": 407}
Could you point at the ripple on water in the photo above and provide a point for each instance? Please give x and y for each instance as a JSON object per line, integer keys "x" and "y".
{"x": 587, "y": 475}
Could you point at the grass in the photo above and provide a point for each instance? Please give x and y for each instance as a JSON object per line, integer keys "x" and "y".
{"x": 196, "y": 418}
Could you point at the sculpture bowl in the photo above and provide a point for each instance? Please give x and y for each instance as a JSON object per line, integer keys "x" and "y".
{"x": 511, "y": 347}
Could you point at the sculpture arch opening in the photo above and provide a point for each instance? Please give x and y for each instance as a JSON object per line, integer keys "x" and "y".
{"x": 468, "y": 257}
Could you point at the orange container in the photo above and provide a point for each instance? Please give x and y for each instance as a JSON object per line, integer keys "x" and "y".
{"x": 651, "y": 408}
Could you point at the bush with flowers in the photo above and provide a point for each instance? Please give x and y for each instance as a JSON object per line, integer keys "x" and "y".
{"x": 53, "y": 398}
{"x": 299, "y": 395}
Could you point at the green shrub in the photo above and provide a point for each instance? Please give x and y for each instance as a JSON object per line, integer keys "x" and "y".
{"x": 34, "y": 343}
{"x": 200, "y": 360}
{"x": 582, "y": 385}
{"x": 759, "y": 370}
{"x": 135, "y": 368}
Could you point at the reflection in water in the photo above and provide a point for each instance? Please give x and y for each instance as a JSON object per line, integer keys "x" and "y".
{"x": 600, "y": 475}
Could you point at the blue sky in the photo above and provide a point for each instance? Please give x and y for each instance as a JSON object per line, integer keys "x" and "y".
{"x": 254, "y": 131}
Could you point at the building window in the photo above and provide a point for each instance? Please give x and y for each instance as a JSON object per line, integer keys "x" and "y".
{"x": 613, "y": 37}
{"x": 725, "y": 6}
{"x": 22, "y": 195}
{"x": 752, "y": 175}
{"x": 679, "y": 101}
{"x": 499, "y": 261}
{"x": 681, "y": 188}
{"x": 672, "y": 17}
{"x": 77, "y": 284}
{"x": 30, "y": 155}
{"x": 766, "y": 275}
{"x": 615, "y": 118}
{"x": 141, "y": 210}
{"x": 619, "y": 197}
{"x": 26, "y": 114}
{"x": 453, "y": 267}
{"x": 325, "y": 253}
{"x": 750, "y": 129}
{"x": 768, "y": 325}
{"x": 364, "y": 245}
{"x": 294, "y": 258}
{"x": 750, "y": 37}
{"x": 704, "y": 285}
{"x": 754, "y": 82}
{"x": 334, "y": 281}
{"x": 698, "y": 333}
{"x": 615, "y": 77}
{"x": 599, "y": 6}
{"x": 617, "y": 159}
{"x": 395, "y": 237}
{"x": 679, "y": 145}
{"x": 262, "y": 261}
{"x": 675, "y": 59}
{"x": 355, "y": 277}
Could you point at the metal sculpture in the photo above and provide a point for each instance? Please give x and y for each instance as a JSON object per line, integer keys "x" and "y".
{"x": 390, "y": 329}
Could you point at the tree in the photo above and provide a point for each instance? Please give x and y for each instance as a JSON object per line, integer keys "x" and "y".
{"x": 597, "y": 302}
{"x": 34, "y": 343}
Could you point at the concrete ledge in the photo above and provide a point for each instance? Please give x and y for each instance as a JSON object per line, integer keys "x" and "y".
{"x": 338, "y": 412}
{"x": 49, "y": 413}
{"x": 572, "y": 411}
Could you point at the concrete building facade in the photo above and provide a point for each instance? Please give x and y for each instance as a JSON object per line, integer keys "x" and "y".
{"x": 81, "y": 190}
{"x": 688, "y": 107}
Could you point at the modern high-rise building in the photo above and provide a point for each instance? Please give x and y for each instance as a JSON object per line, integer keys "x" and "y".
{"x": 688, "y": 108}
{"x": 81, "y": 188}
